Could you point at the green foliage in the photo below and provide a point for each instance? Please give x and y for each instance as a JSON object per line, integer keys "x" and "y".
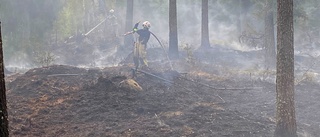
{"x": 155, "y": 7}
{"x": 189, "y": 51}
{"x": 65, "y": 23}
{"x": 69, "y": 19}
{"x": 44, "y": 58}
{"x": 25, "y": 22}
{"x": 308, "y": 77}
{"x": 256, "y": 72}
{"x": 39, "y": 54}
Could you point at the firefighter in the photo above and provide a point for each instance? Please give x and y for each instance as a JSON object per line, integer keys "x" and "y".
{"x": 112, "y": 24}
{"x": 139, "y": 52}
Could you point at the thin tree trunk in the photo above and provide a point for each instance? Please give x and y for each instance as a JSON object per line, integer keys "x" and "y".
{"x": 85, "y": 17}
{"x": 173, "y": 30}
{"x": 204, "y": 25}
{"x": 239, "y": 20}
{"x": 244, "y": 5}
{"x": 128, "y": 40}
{"x": 4, "y": 132}
{"x": 285, "y": 114}
{"x": 269, "y": 41}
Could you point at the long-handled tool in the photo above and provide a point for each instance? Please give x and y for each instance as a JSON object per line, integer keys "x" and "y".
{"x": 95, "y": 27}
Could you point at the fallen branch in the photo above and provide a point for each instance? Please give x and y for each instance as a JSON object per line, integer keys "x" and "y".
{"x": 171, "y": 82}
{"x": 63, "y": 75}
{"x": 209, "y": 86}
{"x": 150, "y": 74}
{"x": 206, "y": 86}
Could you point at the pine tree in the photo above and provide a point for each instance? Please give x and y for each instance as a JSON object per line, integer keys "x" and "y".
{"x": 204, "y": 25}
{"x": 4, "y": 132}
{"x": 285, "y": 114}
{"x": 173, "y": 30}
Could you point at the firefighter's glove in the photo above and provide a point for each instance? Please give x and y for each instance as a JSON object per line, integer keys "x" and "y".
{"x": 135, "y": 29}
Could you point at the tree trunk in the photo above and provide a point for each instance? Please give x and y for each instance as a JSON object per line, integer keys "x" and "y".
{"x": 128, "y": 40}
{"x": 285, "y": 114}
{"x": 173, "y": 30}
{"x": 269, "y": 43}
{"x": 204, "y": 25}
{"x": 4, "y": 132}
{"x": 244, "y": 5}
{"x": 239, "y": 19}
{"x": 102, "y": 7}
{"x": 85, "y": 17}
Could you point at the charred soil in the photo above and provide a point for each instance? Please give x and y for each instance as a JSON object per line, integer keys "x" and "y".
{"x": 68, "y": 101}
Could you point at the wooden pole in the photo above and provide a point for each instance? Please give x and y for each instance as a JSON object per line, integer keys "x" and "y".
{"x": 4, "y": 132}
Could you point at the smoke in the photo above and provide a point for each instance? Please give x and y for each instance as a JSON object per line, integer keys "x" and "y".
{"x": 223, "y": 25}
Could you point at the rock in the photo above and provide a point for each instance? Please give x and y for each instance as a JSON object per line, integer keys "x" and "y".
{"x": 130, "y": 84}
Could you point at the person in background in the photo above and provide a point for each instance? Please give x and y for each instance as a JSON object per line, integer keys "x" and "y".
{"x": 112, "y": 24}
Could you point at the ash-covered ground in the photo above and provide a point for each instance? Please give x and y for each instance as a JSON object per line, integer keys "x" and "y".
{"x": 206, "y": 93}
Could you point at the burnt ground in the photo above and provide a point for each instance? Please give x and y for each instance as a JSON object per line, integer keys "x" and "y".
{"x": 196, "y": 100}
{"x": 89, "y": 102}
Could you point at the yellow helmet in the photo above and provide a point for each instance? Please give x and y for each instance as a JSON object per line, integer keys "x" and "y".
{"x": 146, "y": 24}
{"x": 111, "y": 11}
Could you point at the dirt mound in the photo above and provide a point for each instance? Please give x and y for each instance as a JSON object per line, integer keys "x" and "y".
{"x": 70, "y": 101}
